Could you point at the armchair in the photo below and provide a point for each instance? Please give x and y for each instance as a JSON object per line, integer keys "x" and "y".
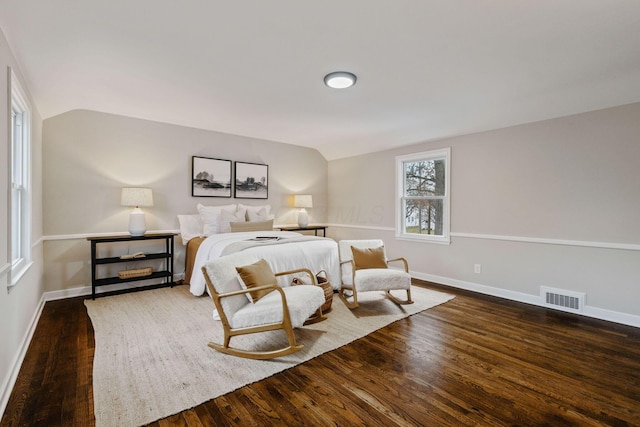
{"x": 281, "y": 308}
{"x": 368, "y": 271}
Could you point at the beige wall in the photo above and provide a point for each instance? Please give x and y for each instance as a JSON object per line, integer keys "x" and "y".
{"x": 20, "y": 305}
{"x": 520, "y": 196}
{"x": 90, "y": 156}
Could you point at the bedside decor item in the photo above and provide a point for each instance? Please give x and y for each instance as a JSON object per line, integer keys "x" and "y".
{"x": 136, "y": 272}
{"x": 210, "y": 177}
{"x": 136, "y": 196}
{"x": 302, "y": 201}
{"x": 251, "y": 181}
{"x": 323, "y": 281}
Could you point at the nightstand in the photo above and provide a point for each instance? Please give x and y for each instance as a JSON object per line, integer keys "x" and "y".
{"x": 313, "y": 228}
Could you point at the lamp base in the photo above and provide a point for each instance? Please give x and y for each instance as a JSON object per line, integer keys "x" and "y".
{"x": 137, "y": 223}
{"x": 303, "y": 218}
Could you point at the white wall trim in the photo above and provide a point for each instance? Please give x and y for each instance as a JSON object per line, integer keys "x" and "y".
{"x": 67, "y": 293}
{"x": 363, "y": 227}
{"x": 589, "y": 311}
{"x": 82, "y": 291}
{"x": 10, "y": 380}
{"x": 85, "y": 235}
{"x": 582, "y": 243}
{"x": 546, "y": 241}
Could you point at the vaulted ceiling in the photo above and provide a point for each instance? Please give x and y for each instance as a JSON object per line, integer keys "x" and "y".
{"x": 427, "y": 69}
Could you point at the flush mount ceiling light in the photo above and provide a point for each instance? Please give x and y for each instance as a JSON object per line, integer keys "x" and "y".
{"x": 340, "y": 79}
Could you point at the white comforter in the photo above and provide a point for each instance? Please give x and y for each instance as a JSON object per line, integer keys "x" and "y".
{"x": 317, "y": 254}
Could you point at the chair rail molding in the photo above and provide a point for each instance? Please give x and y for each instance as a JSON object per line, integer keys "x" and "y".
{"x": 522, "y": 239}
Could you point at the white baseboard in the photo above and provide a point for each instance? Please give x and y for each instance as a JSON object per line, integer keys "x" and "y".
{"x": 86, "y": 290}
{"x": 10, "y": 380}
{"x": 589, "y": 311}
{"x": 67, "y": 293}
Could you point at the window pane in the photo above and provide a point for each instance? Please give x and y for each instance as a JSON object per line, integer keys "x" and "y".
{"x": 424, "y": 178}
{"x": 16, "y": 225}
{"x": 20, "y": 219}
{"x": 424, "y": 217}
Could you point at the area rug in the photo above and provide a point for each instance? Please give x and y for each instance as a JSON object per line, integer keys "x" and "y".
{"x": 152, "y": 359}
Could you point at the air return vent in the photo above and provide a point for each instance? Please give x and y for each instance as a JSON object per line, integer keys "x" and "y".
{"x": 562, "y": 299}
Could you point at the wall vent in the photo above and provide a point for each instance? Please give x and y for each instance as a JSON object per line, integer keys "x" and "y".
{"x": 562, "y": 299}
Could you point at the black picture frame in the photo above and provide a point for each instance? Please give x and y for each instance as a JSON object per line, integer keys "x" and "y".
{"x": 210, "y": 177}
{"x": 251, "y": 181}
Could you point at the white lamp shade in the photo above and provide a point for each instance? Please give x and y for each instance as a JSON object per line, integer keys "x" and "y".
{"x": 302, "y": 201}
{"x": 136, "y": 196}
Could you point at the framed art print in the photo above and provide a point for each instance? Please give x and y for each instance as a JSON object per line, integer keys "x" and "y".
{"x": 210, "y": 177}
{"x": 251, "y": 181}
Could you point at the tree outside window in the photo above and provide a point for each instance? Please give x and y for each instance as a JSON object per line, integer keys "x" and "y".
{"x": 423, "y": 205}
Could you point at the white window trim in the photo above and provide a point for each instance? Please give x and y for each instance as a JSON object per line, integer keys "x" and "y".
{"x": 18, "y": 98}
{"x": 446, "y": 226}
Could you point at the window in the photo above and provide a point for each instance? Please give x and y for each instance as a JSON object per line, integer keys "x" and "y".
{"x": 422, "y": 202}
{"x": 20, "y": 188}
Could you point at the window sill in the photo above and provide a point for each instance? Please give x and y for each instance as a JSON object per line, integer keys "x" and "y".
{"x": 17, "y": 275}
{"x": 417, "y": 238}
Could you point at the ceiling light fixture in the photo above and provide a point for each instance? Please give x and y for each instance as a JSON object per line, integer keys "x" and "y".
{"x": 340, "y": 79}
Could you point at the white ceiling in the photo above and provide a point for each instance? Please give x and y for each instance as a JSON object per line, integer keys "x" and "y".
{"x": 427, "y": 69}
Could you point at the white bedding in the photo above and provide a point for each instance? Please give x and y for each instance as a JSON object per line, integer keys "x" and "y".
{"x": 316, "y": 254}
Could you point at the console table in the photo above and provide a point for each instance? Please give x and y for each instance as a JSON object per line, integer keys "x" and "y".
{"x": 164, "y": 252}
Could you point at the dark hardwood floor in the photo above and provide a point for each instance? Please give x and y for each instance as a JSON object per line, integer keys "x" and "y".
{"x": 475, "y": 360}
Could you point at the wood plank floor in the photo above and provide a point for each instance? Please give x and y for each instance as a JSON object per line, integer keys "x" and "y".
{"x": 475, "y": 360}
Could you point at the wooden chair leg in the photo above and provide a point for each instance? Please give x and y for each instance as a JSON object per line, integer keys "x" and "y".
{"x": 261, "y": 355}
{"x": 258, "y": 355}
{"x": 399, "y": 301}
{"x": 350, "y": 304}
{"x": 316, "y": 317}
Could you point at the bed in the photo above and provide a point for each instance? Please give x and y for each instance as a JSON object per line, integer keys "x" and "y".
{"x": 283, "y": 250}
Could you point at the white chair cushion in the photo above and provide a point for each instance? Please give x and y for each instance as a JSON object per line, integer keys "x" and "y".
{"x": 382, "y": 279}
{"x": 302, "y": 300}
{"x": 222, "y": 272}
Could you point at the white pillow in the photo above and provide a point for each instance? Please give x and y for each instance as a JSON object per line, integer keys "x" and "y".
{"x": 190, "y": 226}
{"x": 210, "y": 217}
{"x": 257, "y": 213}
{"x": 226, "y": 218}
{"x": 258, "y": 216}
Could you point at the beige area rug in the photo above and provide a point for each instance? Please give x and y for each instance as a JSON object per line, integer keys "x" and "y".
{"x": 152, "y": 359}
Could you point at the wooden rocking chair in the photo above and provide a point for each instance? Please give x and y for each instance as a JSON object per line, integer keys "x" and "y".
{"x": 364, "y": 267}
{"x": 283, "y": 308}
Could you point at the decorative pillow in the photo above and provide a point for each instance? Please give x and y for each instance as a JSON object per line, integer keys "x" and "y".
{"x": 252, "y": 226}
{"x": 369, "y": 257}
{"x": 256, "y": 213}
{"x": 257, "y": 274}
{"x": 210, "y": 217}
{"x": 226, "y": 218}
{"x": 261, "y": 215}
{"x": 190, "y": 226}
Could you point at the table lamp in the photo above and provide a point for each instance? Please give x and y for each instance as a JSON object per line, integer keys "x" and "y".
{"x": 134, "y": 196}
{"x": 303, "y": 201}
